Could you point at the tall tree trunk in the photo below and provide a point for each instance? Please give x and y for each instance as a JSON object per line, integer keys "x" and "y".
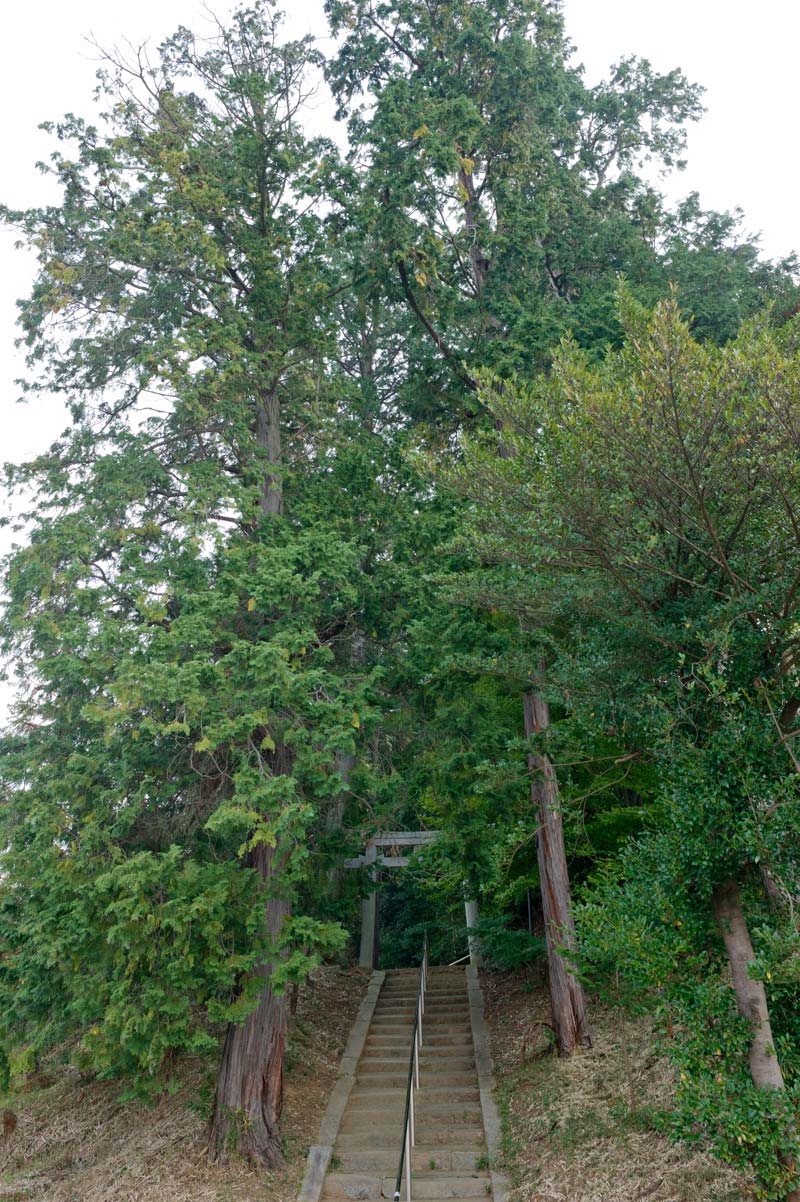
{"x": 751, "y": 997}
{"x": 268, "y": 438}
{"x": 479, "y": 264}
{"x": 567, "y": 998}
{"x": 344, "y": 762}
{"x": 249, "y": 1096}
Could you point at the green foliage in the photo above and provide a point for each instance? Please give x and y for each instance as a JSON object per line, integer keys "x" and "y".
{"x": 504, "y": 949}
{"x": 250, "y": 629}
{"x": 414, "y": 903}
{"x": 502, "y": 193}
{"x": 658, "y": 495}
{"x": 309, "y": 941}
{"x": 186, "y": 692}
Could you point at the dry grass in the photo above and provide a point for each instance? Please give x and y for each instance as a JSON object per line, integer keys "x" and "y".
{"x": 78, "y": 1143}
{"x": 570, "y": 1133}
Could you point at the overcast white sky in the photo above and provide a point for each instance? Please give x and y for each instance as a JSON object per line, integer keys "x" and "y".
{"x": 743, "y": 153}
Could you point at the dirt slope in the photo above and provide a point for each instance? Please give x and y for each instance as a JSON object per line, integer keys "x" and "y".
{"x": 570, "y": 1134}
{"x": 76, "y": 1142}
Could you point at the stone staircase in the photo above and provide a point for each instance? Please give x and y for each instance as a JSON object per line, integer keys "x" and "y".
{"x": 450, "y": 1157}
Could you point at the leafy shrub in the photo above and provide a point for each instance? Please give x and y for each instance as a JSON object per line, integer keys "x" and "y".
{"x": 505, "y": 949}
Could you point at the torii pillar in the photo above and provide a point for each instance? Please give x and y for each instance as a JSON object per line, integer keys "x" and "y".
{"x": 368, "y": 950}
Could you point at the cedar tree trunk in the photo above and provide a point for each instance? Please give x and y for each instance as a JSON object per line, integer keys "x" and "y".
{"x": 249, "y": 1096}
{"x": 268, "y": 438}
{"x": 751, "y": 997}
{"x": 567, "y": 999}
{"x": 344, "y": 762}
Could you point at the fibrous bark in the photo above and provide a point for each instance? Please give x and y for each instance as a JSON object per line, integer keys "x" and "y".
{"x": 249, "y": 1096}
{"x": 567, "y": 998}
{"x": 268, "y": 439}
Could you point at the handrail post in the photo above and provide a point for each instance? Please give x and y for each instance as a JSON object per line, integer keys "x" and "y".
{"x": 408, "y": 1164}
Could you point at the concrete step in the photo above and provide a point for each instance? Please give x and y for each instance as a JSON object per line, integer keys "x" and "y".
{"x": 433, "y": 1024}
{"x": 436, "y": 972}
{"x": 429, "y": 1019}
{"x": 439, "y": 1038}
{"x": 386, "y": 1131}
{"x": 431, "y": 999}
{"x": 383, "y": 1139}
{"x": 401, "y": 1053}
{"x": 433, "y": 991}
{"x": 435, "y": 985}
{"x": 408, "y": 1013}
{"x": 367, "y": 1099}
{"x": 435, "y": 1038}
{"x": 430, "y": 1118}
{"x": 391, "y": 1080}
{"x": 410, "y": 1004}
{"x": 390, "y": 1026}
{"x": 431, "y": 995}
{"x": 401, "y": 1056}
{"x": 433, "y": 1041}
{"x": 465, "y": 1138}
{"x": 459, "y": 1135}
{"x": 386, "y": 1027}
{"x": 427, "y": 1158}
{"x": 384, "y": 1047}
{"x": 431, "y": 1069}
{"x": 424, "y": 1185}
{"x": 389, "y": 1113}
{"x": 384, "y": 1050}
{"x": 477, "y": 1184}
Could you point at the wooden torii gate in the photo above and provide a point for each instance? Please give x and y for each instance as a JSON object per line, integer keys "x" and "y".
{"x": 394, "y": 842}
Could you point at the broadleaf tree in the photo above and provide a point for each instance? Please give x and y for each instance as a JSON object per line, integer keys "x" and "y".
{"x": 658, "y": 492}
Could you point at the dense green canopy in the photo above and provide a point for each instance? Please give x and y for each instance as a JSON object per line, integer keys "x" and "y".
{"x": 366, "y": 451}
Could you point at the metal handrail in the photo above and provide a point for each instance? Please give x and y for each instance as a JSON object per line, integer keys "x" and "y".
{"x": 409, "y": 1133}
{"x": 459, "y": 961}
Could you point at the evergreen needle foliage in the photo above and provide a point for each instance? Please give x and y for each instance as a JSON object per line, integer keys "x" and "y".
{"x": 367, "y": 457}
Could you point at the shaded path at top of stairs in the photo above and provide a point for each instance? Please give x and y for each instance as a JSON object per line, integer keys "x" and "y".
{"x": 450, "y": 1156}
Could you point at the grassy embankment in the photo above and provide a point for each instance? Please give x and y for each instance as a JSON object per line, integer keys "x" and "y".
{"x": 76, "y": 1141}
{"x": 570, "y": 1133}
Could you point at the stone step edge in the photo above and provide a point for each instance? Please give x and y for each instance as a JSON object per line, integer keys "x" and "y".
{"x": 500, "y": 1184}
{"x": 319, "y": 1154}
